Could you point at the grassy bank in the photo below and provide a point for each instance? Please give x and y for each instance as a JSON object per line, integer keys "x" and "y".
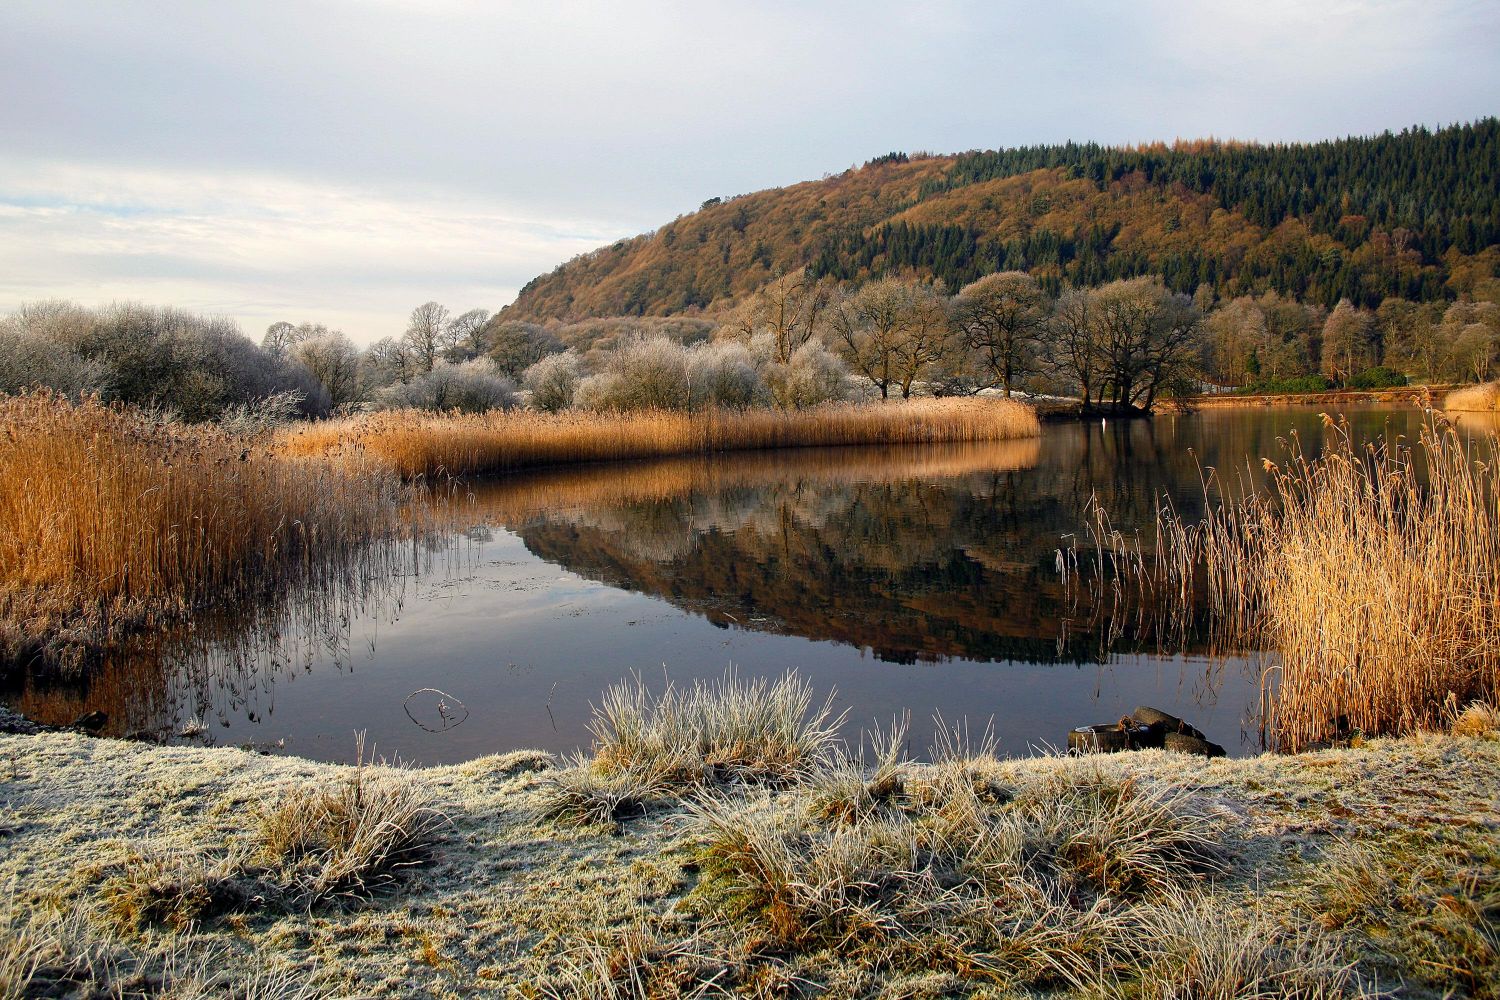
{"x": 719, "y": 843}
{"x": 416, "y": 444}
{"x": 111, "y": 519}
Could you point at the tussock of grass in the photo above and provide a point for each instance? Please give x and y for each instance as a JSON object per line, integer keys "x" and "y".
{"x": 175, "y": 890}
{"x": 1479, "y": 720}
{"x": 349, "y": 839}
{"x": 651, "y": 747}
{"x": 1372, "y": 573}
{"x": 62, "y": 955}
{"x": 1435, "y": 918}
{"x": 724, "y": 731}
{"x": 422, "y": 444}
{"x": 340, "y": 841}
{"x": 580, "y": 795}
{"x": 1019, "y": 890}
{"x": 635, "y": 963}
{"x": 1193, "y": 949}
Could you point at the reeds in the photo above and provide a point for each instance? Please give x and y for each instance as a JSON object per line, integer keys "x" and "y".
{"x": 110, "y": 516}
{"x": 1484, "y": 398}
{"x": 421, "y": 444}
{"x": 1370, "y": 572}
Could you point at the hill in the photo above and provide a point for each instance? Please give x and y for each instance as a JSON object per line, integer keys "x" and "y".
{"x": 1414, "y": 215}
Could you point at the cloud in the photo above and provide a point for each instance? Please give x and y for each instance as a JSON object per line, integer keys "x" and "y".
{"x": 263, "y": 248}
{"x": 262, "y": 157}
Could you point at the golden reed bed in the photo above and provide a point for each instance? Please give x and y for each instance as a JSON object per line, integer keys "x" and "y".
{"x": 424, "y": 445}
{"x": 109, "y": 516}
{"x": 1483, "y": 398}
{"x": 1371, "y": 573}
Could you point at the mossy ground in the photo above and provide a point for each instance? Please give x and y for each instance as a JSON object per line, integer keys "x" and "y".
{"x": 1388, "y": 853}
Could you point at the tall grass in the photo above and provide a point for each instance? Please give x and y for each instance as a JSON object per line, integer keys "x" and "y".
{"x": 110, "y": 516}
{"x": 417, "y": 444}
{"x": 1483, "y": 398}
{"x": 1370, "y": 572}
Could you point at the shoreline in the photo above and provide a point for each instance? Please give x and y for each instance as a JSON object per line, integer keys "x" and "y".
{"x": 505, "y": 900}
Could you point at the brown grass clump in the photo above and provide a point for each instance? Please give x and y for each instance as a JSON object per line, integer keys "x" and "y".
{"x": 177, "y": 890}
{"x": 349, "y": 839}
{"x": 1373, "y": 575}
{"x": 1025, "y": 890}
{"x": 111, "y": 518}
{"x": 423, "y": 444}
{"x": 1483, "y": 398}
{"x": 649, "y": 747}
{"x": 1479, "y": 720}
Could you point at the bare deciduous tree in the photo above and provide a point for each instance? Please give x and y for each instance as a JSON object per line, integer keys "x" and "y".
{"x": 893, "y": 333}
{"x": 1002, "y": 317}
{"x": 427, "y": 335}
{"x": 790, "y": 309}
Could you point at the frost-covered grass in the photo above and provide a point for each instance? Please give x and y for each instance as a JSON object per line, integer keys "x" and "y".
{"x": 1330, "y": 874}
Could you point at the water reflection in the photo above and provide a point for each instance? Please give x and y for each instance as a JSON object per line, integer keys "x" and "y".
{"x": 907, "y": 578}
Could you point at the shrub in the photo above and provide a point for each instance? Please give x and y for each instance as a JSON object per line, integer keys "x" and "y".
{"x": 470, "y": 387}
{"x": 29, "y": 362}
{"x": 814, "y": 375}
{"x": 196, "y": 366}
{"x": 723, "y": 376}
{"x": 659, "y": 374}
{"x": 1296, "y": 384}
{"x": 552, "y": 382}
{"x": 1379, "y": 377}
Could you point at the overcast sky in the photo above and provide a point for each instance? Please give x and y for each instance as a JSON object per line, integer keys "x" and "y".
{"x": 341, "y": 161}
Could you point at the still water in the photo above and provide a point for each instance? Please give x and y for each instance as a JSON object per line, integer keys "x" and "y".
{"x": 921, "y": 580}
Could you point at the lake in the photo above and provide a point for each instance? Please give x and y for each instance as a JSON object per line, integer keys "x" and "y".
{"x": 925, "y": 580}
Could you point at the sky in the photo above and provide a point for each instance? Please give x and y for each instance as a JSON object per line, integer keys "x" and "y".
{"x": 341, "y": 161}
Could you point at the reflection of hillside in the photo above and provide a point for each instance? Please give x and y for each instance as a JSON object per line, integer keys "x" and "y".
{"x": 914, "y": 553}
{"x": 922, "y": 553}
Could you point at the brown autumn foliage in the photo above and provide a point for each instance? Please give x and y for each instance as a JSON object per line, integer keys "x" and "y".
{"x": 711, "y": 259}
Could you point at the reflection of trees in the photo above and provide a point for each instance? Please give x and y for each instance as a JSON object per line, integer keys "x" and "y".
{"x": 917, "y": 554}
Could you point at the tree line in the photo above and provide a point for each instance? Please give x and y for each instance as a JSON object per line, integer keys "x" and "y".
{"x": 800, "y": 340}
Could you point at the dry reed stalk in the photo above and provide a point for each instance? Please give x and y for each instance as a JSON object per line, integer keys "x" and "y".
{"x": 418, "y": 444}
{"x": 1371, "y": 572}
{"x": 108, "y": 516}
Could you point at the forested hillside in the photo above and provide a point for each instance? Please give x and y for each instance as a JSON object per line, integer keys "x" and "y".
{"x": 1414, "y": 215}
